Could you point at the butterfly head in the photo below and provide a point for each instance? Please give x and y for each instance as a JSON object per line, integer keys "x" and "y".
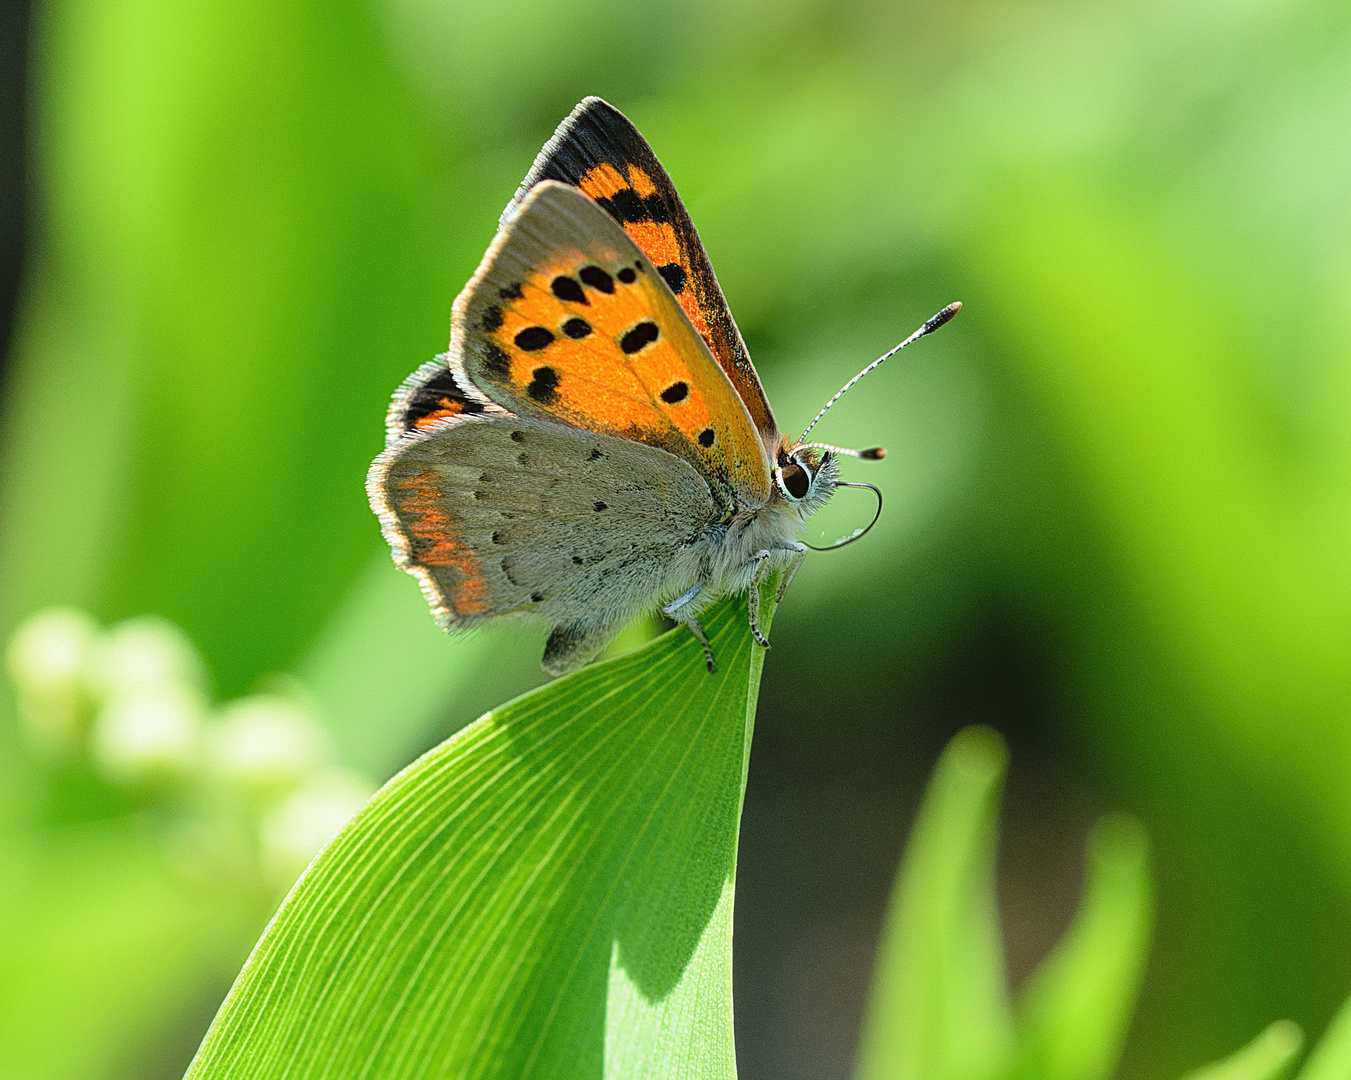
{"x": 805, "y": 477}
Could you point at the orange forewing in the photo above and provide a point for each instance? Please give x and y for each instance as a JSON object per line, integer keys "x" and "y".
{"x": 600, "y": 386}
{"x": 655, "y": 239}
{"x": 599, "y": 151}
{"x": 567, "y": 321}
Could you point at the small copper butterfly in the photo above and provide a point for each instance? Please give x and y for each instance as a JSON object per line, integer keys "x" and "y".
{"x": 596, "y": 443}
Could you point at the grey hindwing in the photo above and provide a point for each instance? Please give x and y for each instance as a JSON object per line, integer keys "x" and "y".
{"x": 507, "y": 515}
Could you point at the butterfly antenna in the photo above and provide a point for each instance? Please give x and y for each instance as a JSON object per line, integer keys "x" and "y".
{"x": 873, "y": 453}
{"x": 928, "y": 328}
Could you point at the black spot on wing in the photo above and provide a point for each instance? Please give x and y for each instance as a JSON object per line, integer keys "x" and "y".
{"x": 577, "y": 328}
{"x": 658, "y": 209}
{"x": 566, "y": 288}
{"x": 492, "y": 318}
{"x": 706, "y": 437}
{"x": 496, "y": 361}
{"x": 597, "y": 278}
{"x": 511, "y": 292}
{"x": 675, "y": 393}
{"x": 639, "y": 336}
{"x": 533, "y": 338}
{"x": 518, "y": 436}
{"x": 674, "y": 275}
{"x": 628, "y": 275}
{"x": 543, "y": 385}
{"x": 601, "y": 506}
{"x": 625, "y": 205}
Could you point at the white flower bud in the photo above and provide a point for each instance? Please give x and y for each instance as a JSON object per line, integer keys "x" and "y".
{"x": 48, "y": 658}
{"x": 143, "y": 653}
{"x": 152, "y": 733}
{"x": 307, "y": 819}
{"x": 50, "y": 648}
{"x": 266, "y": 742}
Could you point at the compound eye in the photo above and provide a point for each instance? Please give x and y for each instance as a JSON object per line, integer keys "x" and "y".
{"x": 796, "y": 480}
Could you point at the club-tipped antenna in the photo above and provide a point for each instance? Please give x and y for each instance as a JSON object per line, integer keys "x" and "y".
{"x": 873, "y": 453}
{"x": 928, "y": 328}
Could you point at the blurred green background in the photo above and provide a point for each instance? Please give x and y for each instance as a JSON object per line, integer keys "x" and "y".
{"x": 1118, "y": 520}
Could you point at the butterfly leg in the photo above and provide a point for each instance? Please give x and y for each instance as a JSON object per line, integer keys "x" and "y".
{"x": 801, "y": 550}
{"x": 753, "y": 597}
{"x": 761, "y": 558}
{"x": 672, "y": 610}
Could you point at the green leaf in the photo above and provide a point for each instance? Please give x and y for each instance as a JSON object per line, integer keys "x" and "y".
{"x": 548, "y": 893}
{"x": 1267, "y": 1057}
{"x": 1331, "y": 1058}
{"x": 1078, "y": 1003}
{"x": 940, "y": 1004}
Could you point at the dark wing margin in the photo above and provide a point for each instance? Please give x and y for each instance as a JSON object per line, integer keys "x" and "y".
{"x": 599, "y": 151}
{"x": 426, "y": 396}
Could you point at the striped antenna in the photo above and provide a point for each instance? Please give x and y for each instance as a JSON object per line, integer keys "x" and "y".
{"x": 928, "y": 328}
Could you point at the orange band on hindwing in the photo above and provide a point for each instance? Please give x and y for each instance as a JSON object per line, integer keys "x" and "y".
{"x": 445, "y": 409}
{"x": 429, "y": 395}
{"x": 432, "y": 543}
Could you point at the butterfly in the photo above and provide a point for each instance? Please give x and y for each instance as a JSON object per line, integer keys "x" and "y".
{"x": 596, "y": 443}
